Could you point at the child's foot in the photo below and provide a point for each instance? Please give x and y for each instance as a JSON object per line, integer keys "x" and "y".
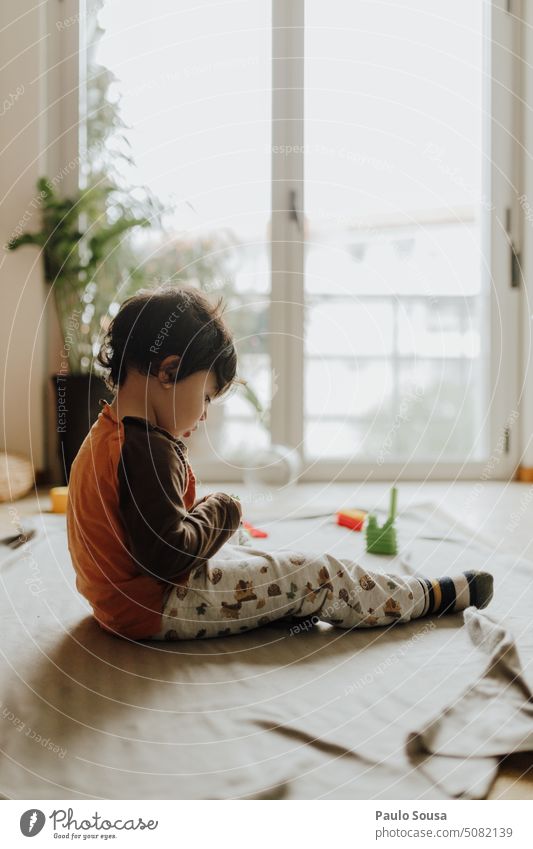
{"x": 448, "y": 595}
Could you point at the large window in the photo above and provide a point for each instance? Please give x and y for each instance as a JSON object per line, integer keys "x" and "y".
{"x": 328, "y": 168}
{"x": 395, "y": 283}
{"x": 192, "y": 83}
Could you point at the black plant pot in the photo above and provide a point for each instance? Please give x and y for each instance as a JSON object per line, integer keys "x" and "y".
{"x": 77, "y": 408}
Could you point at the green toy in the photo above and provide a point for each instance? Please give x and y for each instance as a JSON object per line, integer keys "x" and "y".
{"x": 382, "y": 540}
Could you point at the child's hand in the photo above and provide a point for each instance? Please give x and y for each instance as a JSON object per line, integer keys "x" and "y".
{"x": 236, "y": 498}
{"x": 237, "y": 501}
{"x": 224, "y": 496}
{"x": 232, "y": 506}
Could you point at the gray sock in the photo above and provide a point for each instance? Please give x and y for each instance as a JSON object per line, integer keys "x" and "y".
{"x": 449, "y": 595}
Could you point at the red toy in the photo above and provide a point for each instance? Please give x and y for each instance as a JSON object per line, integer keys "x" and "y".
{"x": 254, "y": 532}
{"x": 353, "y": 519}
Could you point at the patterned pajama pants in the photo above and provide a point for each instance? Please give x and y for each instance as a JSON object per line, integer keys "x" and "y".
{"x": 242, "y": 588}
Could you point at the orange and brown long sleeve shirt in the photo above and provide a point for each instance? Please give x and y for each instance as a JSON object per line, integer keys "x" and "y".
{"x": 134, "y": 525}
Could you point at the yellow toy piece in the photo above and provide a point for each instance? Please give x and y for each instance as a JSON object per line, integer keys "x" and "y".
{"x": 59, "y": 496}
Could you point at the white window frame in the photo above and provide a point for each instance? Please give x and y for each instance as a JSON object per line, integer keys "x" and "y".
{"x": 501, "y": 232}
{"x": 287, "y": 248}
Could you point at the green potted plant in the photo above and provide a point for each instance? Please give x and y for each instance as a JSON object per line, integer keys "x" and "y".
{"x": 88, "y": 257}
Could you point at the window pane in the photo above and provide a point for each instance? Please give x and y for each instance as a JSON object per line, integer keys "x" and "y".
{"x": 349, "y": 327}
{"x": 193, "y": 83}
{"x": 329, "y": 439}
{"x": 440, "y": 327}
{"x": 346, "y": 389}
{"x": 395, "y": 208}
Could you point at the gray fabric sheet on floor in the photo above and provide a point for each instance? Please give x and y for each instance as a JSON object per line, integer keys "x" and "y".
{"x": 269, "y": 714}
{"x": 459, "y": 750}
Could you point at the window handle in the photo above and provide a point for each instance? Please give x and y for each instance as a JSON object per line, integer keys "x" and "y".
{"x": 294, "y": 214}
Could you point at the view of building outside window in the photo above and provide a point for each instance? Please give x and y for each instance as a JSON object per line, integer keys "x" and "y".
{"x": 396, "y": 294}
{"x": 196, "y": 116}
{"x": 397, "y": 333}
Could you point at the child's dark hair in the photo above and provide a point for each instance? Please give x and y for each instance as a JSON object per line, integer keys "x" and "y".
{"x": 152, "y": 325}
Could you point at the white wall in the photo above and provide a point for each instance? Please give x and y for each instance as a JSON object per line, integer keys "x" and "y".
{"x": 38, "y": 137}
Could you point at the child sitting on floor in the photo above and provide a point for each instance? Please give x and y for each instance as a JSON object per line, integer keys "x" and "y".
{"x": 157, "y": 563}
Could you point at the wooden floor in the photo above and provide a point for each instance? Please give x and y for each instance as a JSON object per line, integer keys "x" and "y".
{"x": 501, "y": 510}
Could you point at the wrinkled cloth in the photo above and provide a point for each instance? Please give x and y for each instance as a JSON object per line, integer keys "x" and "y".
{"x": 459, "y": 749}
{"x": 322, "y": 713}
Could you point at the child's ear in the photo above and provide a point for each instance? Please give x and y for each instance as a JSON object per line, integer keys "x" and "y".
{"x": 167, "y": 371}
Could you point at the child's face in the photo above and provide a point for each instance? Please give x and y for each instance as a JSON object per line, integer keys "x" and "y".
{"x": 182, "y": 405}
